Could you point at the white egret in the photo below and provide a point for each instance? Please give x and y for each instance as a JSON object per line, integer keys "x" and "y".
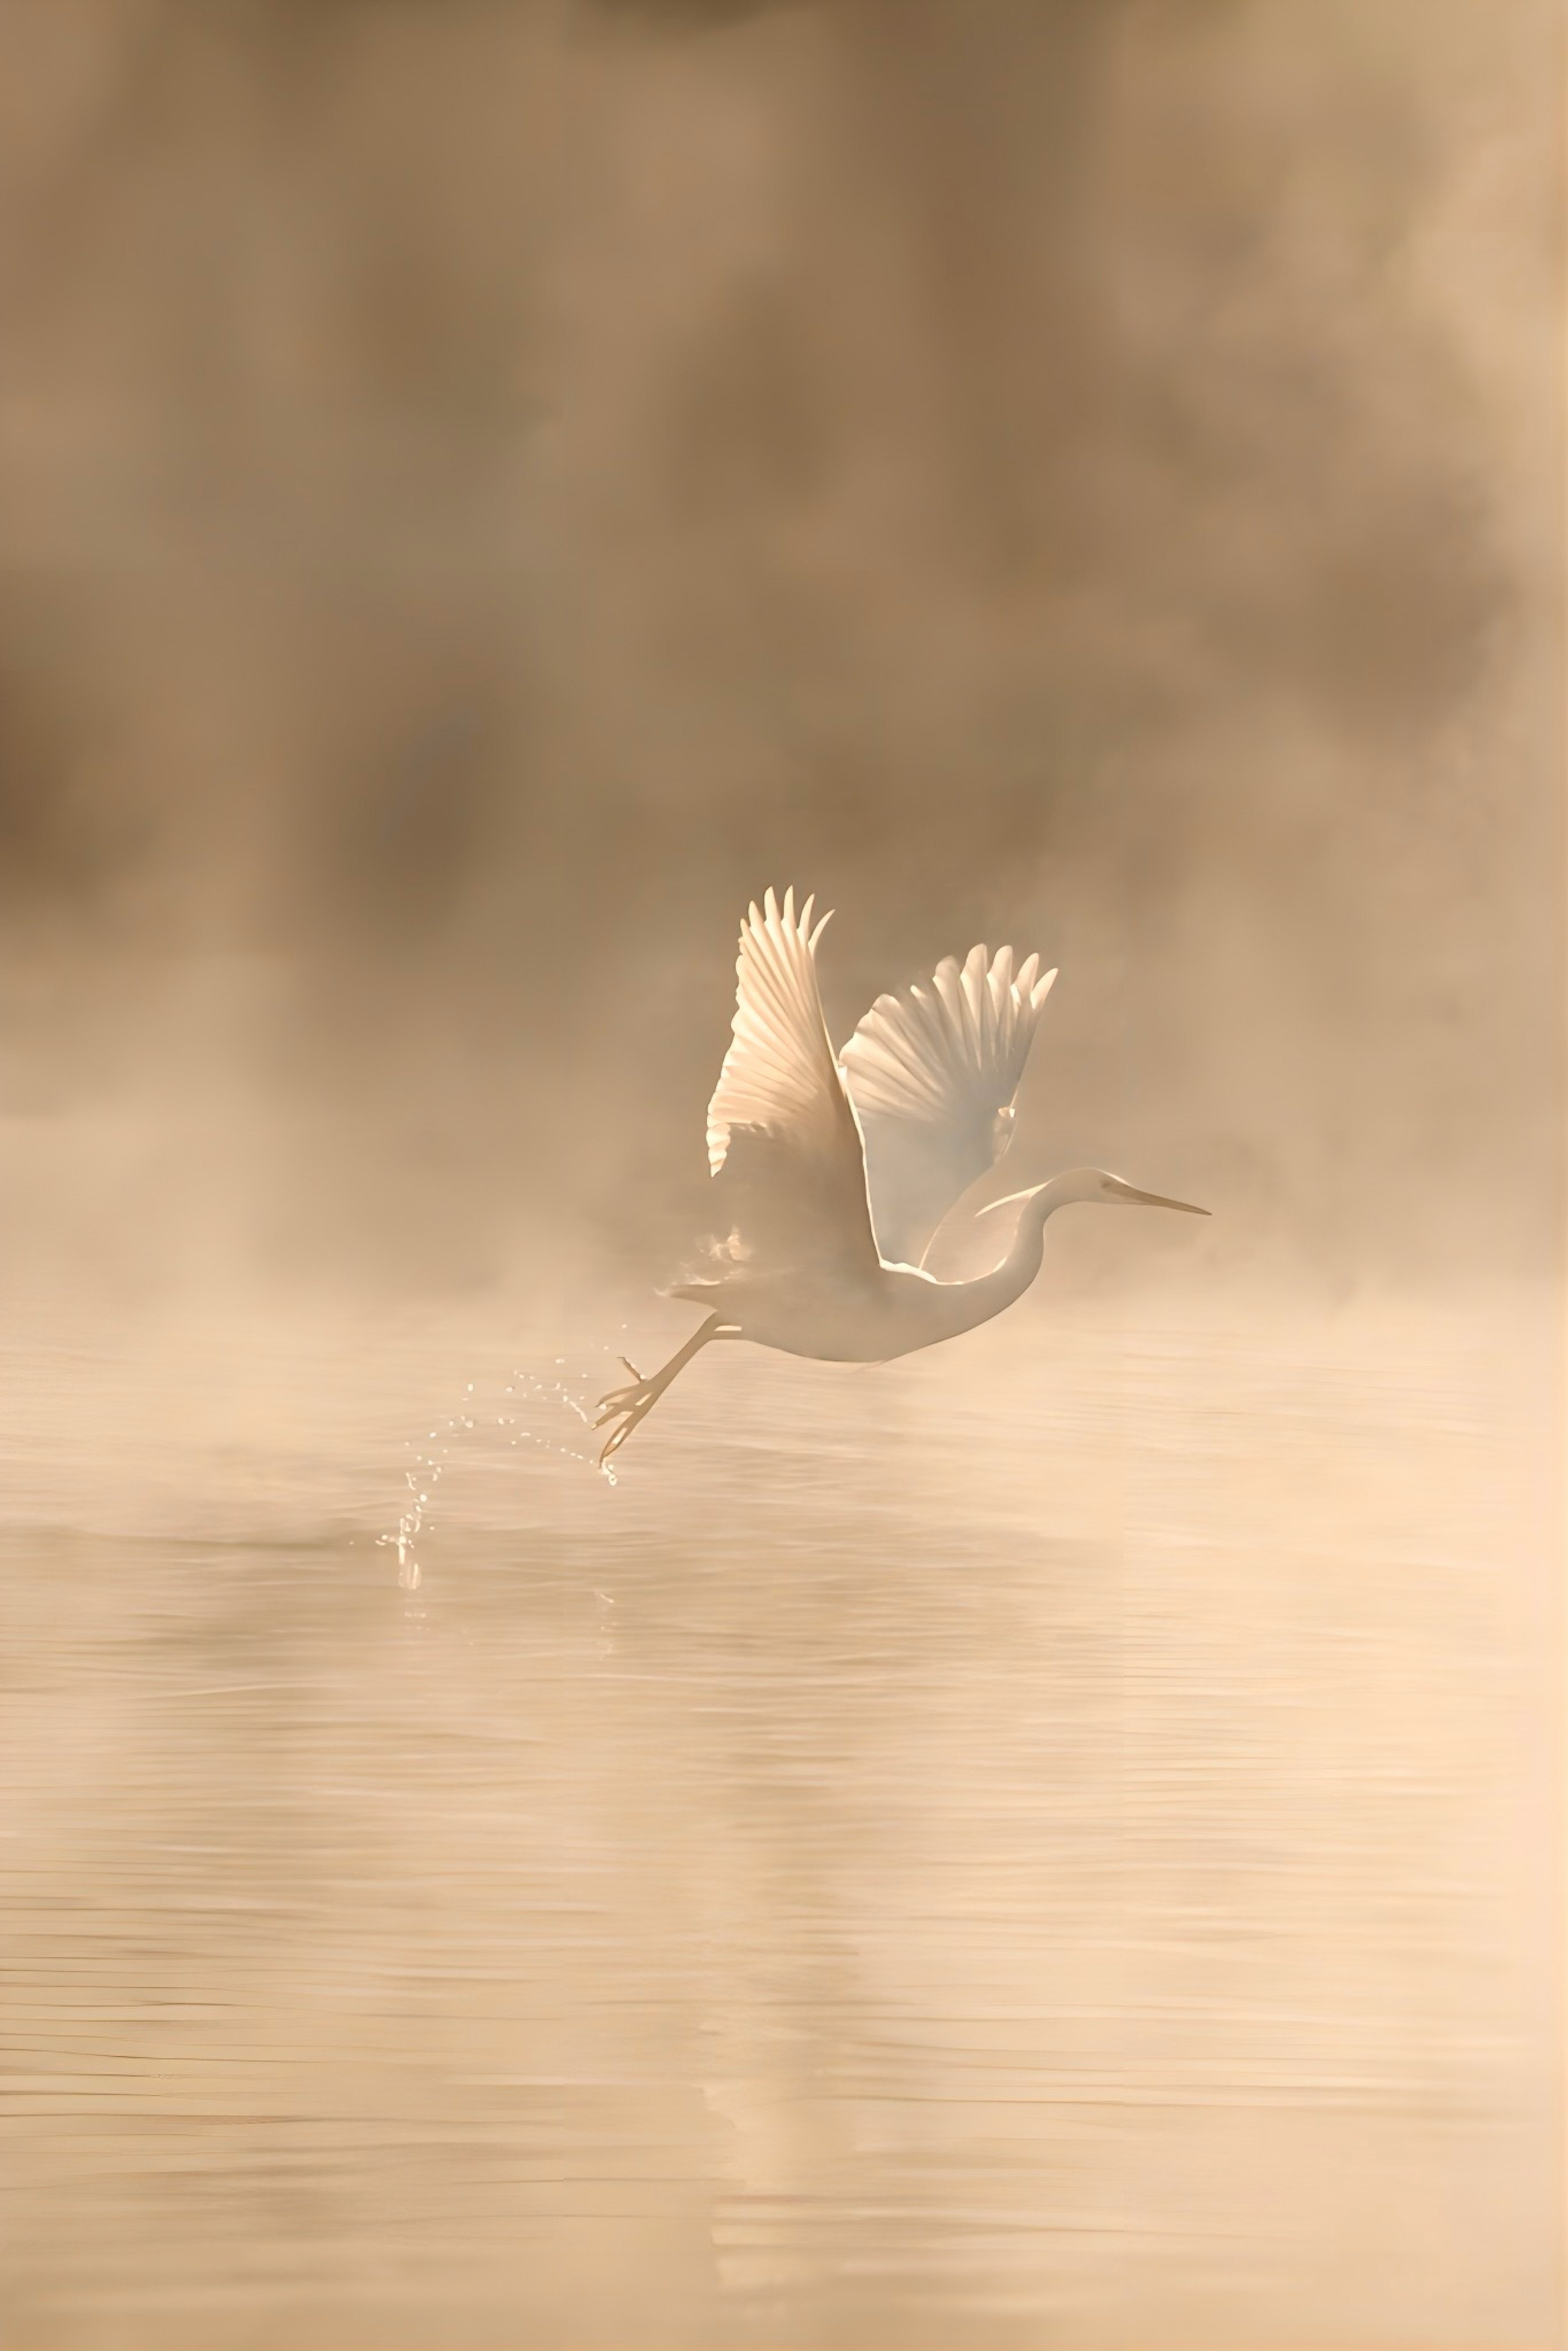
{"x": 837, "y": 1171}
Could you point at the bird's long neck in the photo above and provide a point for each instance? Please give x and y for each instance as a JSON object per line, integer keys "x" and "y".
{"x": 991, "y": 1292}
{"x": 1022, "y": 1262}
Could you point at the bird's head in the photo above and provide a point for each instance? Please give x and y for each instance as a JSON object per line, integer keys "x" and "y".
{"x": 1114, "y": 1193}
{"x": 1096, "y": 1185}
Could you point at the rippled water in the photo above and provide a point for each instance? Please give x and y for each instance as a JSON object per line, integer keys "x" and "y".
{"x": 1051, "y": 1840}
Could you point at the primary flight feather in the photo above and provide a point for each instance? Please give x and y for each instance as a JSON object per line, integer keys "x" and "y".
{"x": 933, "y": 1075}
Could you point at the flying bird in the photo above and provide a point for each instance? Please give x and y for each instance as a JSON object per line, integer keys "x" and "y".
{"x": 836, "y": 1171}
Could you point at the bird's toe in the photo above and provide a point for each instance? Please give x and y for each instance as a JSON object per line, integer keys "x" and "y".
{"x": 617, "y": 1437}
{"x": 626, "y": 1399}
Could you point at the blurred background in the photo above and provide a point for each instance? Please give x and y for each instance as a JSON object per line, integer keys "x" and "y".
{"x": 485, "y": 489}
{"x": 1058, "y": 1838}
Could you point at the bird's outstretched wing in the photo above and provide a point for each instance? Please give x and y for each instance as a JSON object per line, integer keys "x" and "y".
{"x": 932, "y": 1074}
{"x": 781, "y": 1135}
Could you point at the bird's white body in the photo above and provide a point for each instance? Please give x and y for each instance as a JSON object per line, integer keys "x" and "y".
{"x": 895, "y": 1310}
{"x": 888, "y": 1310}
{"x": 840, "y": 1170}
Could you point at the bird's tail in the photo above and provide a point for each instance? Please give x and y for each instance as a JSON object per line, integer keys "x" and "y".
{"x": 717, "y": 1259}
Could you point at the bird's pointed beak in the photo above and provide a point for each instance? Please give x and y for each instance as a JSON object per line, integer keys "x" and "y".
{"x": 1134, "y": 1198}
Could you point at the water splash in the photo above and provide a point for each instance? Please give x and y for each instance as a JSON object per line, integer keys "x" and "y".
{"x": 464, "y": 1430}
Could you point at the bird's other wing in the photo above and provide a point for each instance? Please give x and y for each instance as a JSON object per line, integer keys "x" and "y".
{"x": 780, "y": 1131}
{"x": 932, "y": 1074}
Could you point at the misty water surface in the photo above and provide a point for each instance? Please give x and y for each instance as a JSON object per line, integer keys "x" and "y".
{"x": 1041, "y": 1840}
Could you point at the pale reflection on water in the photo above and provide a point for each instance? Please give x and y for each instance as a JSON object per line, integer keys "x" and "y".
{"x": 1053, "y": 1839}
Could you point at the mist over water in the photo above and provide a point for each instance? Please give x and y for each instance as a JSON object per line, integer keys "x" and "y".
{"x": 488, "y": 490}
{"x": 1057, "y": 1832}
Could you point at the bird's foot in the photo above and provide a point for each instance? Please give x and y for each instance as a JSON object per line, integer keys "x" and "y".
{"x": 628, "y": 1405}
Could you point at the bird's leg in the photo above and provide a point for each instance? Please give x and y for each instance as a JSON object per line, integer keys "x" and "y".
{"x": 629, "y": 1406}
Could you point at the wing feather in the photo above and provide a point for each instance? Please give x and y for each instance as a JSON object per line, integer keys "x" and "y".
{"x": 780, "y": 1128}
{"x": 932, "y": 1074}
